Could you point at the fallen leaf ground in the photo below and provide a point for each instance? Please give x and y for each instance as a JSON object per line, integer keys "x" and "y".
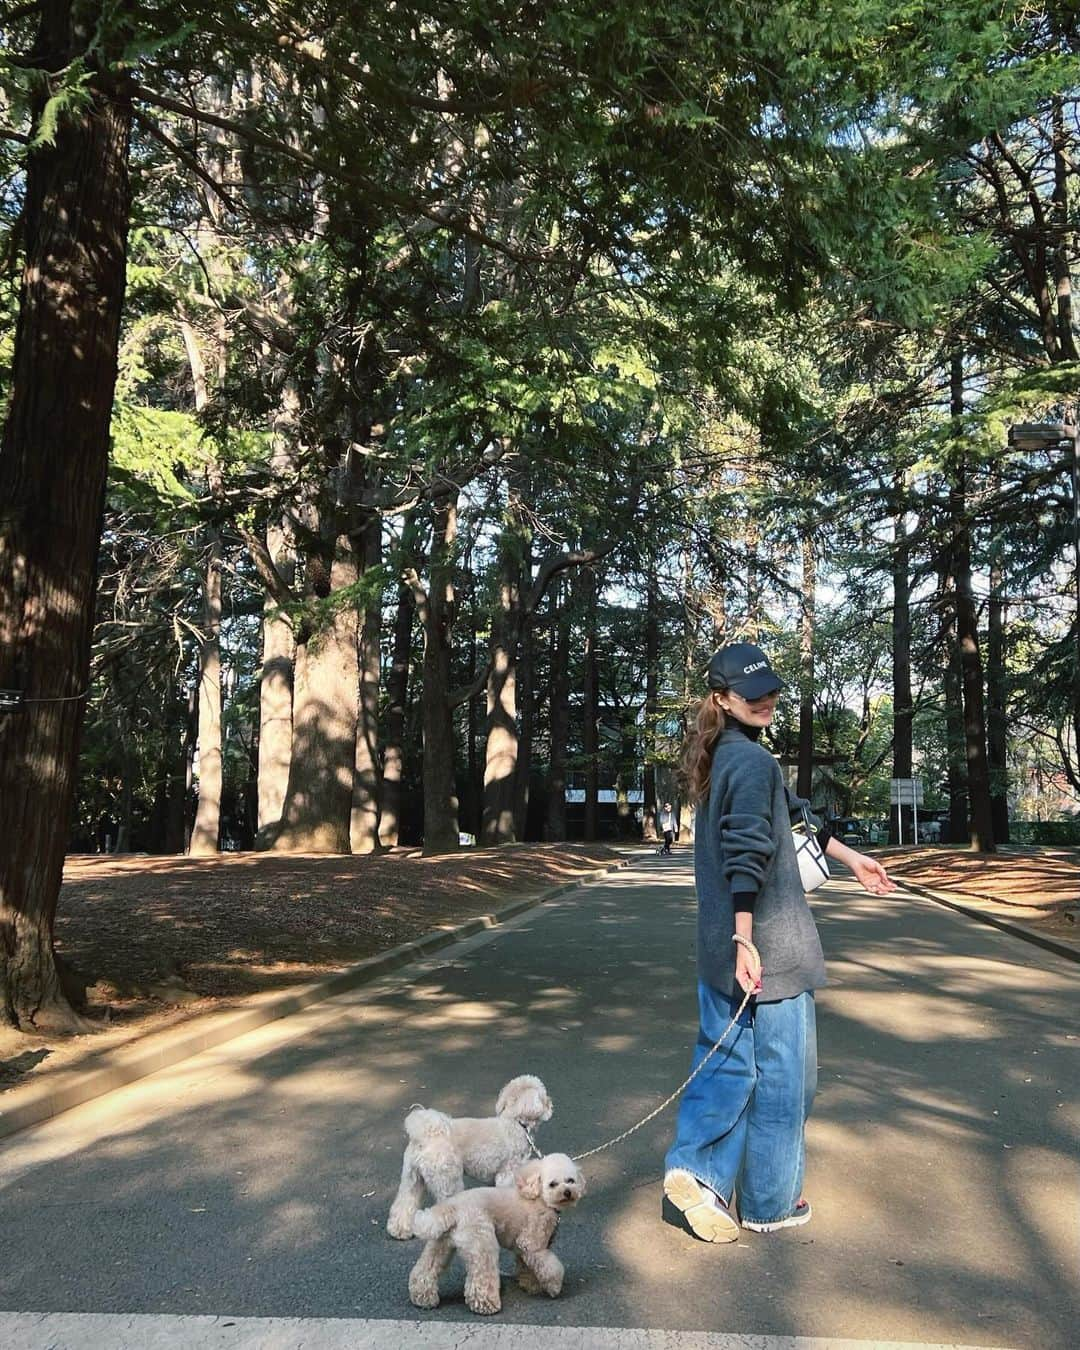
{"x": 152, "y": 940}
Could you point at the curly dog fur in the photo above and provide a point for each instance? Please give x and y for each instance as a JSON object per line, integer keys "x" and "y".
{"x": 522, "y": 1218}
{"x": 442, "y": 1151}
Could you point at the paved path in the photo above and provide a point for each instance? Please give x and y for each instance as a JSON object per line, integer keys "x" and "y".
{"x": 253, "y": 1181}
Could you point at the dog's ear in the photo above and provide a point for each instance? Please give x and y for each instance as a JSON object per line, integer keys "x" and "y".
{"x": 540, "y": 1104}
{"x": 504, "y": 1096}
{"x": 580, "y": 1185}
{"x": 529, "y": 1179}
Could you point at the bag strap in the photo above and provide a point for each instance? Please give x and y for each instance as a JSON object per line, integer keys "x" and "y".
{"x": 808, "y": 826}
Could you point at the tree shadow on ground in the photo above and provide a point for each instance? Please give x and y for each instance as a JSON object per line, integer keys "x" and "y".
{"x": 265, "y": 1190}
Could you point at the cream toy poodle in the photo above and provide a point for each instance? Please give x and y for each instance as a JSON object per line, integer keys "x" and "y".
{"x": 442, "y": 1151}
{"x": 523, "y": 1218}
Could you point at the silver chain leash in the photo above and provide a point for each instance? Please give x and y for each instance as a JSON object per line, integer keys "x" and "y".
{"x": 577, "y": 1157}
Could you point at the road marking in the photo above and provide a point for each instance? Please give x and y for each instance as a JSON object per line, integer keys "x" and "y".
{"x": 153, "y": 1331}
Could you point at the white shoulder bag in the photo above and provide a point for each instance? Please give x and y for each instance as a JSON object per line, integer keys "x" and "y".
{"x": 813, "y": 868}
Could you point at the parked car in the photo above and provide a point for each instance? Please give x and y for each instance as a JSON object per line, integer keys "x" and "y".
{"x": 849, "y": 830}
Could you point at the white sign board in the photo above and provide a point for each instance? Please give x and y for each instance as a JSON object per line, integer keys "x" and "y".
{"x": 905, "y": 791}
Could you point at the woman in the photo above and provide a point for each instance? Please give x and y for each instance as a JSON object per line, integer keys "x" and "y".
{"x": 742, "y": 1119}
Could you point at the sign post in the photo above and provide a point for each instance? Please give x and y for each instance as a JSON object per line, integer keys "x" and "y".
{"x": 906, "y": 792}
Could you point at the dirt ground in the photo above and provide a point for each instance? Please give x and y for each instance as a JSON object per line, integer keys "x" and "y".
{"x": 154, "y": 940}
{"x": 1038, "y": 886}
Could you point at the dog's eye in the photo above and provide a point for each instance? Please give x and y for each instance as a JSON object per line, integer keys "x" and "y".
{"x": 553, "y": 1183}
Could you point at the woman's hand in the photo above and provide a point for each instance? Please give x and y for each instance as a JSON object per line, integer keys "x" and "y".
{"x": 872, "y": 875}
{"x": 867, "y": 870}
{"x": 747, "y": 971}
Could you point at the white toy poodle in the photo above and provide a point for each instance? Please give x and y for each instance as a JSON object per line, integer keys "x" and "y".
{"x": 442, "y": 1151}
{"x": 523, "y": 1218}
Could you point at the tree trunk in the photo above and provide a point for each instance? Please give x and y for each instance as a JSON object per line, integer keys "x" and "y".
{"x": 954, "y": 731}
{"x": 500, "y": 763}
{"x": 652, "y": 709}
{"x": 805, "y": 782}
{"x": 687, "y": 818}
{"x": 436, "y": 606}
{"x": 996, "y": 713}
{"x": 1062, "y": 232}
{"x": 275, "y": 695}
{"x": 364, "y": 826}
{"x": 590, "y": 731}
{"x": 318, "y": 802}
{"x": 559, "y": 714}
{"x": 527, "y": 705}
{"x": 205, "y": 835}
{"x": 900, "y": 824}
{"x": 53, "y": 462}
{"x": 472, "y": 806}
{"x": 397, "y": 688}
{"x": 753, "y": 583}
{"x": 967, "y": 639}
{"x": 276, "y": 684}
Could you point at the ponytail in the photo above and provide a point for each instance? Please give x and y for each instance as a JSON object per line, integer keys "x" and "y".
{"x": 695, "y": 762}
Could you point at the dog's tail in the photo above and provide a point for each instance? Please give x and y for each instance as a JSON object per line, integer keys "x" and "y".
{"x": 421, "y": 1124}
{"x": 433, "y": 1222}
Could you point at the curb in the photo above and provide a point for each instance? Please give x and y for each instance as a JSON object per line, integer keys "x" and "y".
{"x": 1059, "y": 947}
{"x": 108, "y": 1070}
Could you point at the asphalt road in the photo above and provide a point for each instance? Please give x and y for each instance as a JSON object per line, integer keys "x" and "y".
{"x": 254, "y": 1181}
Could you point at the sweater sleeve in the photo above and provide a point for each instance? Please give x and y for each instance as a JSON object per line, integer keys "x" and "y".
{"x": 746, "y": 825}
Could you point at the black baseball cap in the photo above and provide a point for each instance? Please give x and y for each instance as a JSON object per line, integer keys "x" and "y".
{"x": 745, "y": 669}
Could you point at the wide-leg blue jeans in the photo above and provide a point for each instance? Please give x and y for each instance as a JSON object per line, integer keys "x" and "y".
{"x": 742, "y": 1120}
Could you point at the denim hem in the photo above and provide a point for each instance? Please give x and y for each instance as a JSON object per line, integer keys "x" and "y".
{"x": 745, "y": 1218}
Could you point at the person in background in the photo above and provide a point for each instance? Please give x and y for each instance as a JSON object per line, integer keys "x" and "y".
{"x": 667, "y": 829}
{"x": 742, "y": 1119}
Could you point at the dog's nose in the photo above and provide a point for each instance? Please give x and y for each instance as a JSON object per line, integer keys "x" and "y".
{"x": 568, "y": 1194}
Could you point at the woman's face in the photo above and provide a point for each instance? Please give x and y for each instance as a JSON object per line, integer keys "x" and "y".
{"x": 757, "y": 712}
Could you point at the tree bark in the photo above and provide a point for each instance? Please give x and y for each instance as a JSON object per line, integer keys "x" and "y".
{"x": 275, "y": 694}
{"x": 900, "y": 824}
{"x": 205, "y": 835}
{"x": 501, "y": 757}
{"x": 688, "y": 818}
{"x": 318, "y": 804}
{"x": 956, "y": 772}
{"x": 558, "y": 714}
{"x": 276, "y": 683}
{"x": 996, "y": 686}
{"x": 364, "y": 826}
{"x": 397, "y": 689}
{"x": 436, "y": 606}
{"x": 1061, "y": 239}
{"x": 652, "y": 704}
{"x": 53, "y": 461}
{"x": 590, "y": 731}
{"x": 527, "y": 705}
{"x": 967, "y": 639}
{"x": 805, "y": 778}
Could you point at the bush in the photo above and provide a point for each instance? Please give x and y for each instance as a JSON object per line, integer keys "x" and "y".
{"x": 1044, "y": 831}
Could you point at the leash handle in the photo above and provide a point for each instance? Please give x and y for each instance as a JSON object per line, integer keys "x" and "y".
{"x": 755, "y": 955}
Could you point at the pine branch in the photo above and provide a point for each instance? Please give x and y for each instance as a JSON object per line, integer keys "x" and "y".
{"x": 379, "y": 191}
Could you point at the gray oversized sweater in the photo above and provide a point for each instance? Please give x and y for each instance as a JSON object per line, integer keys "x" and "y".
{"x": 742, "y": 843}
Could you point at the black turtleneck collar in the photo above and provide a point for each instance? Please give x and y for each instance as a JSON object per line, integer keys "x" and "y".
{"x": 751, "y": 733}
